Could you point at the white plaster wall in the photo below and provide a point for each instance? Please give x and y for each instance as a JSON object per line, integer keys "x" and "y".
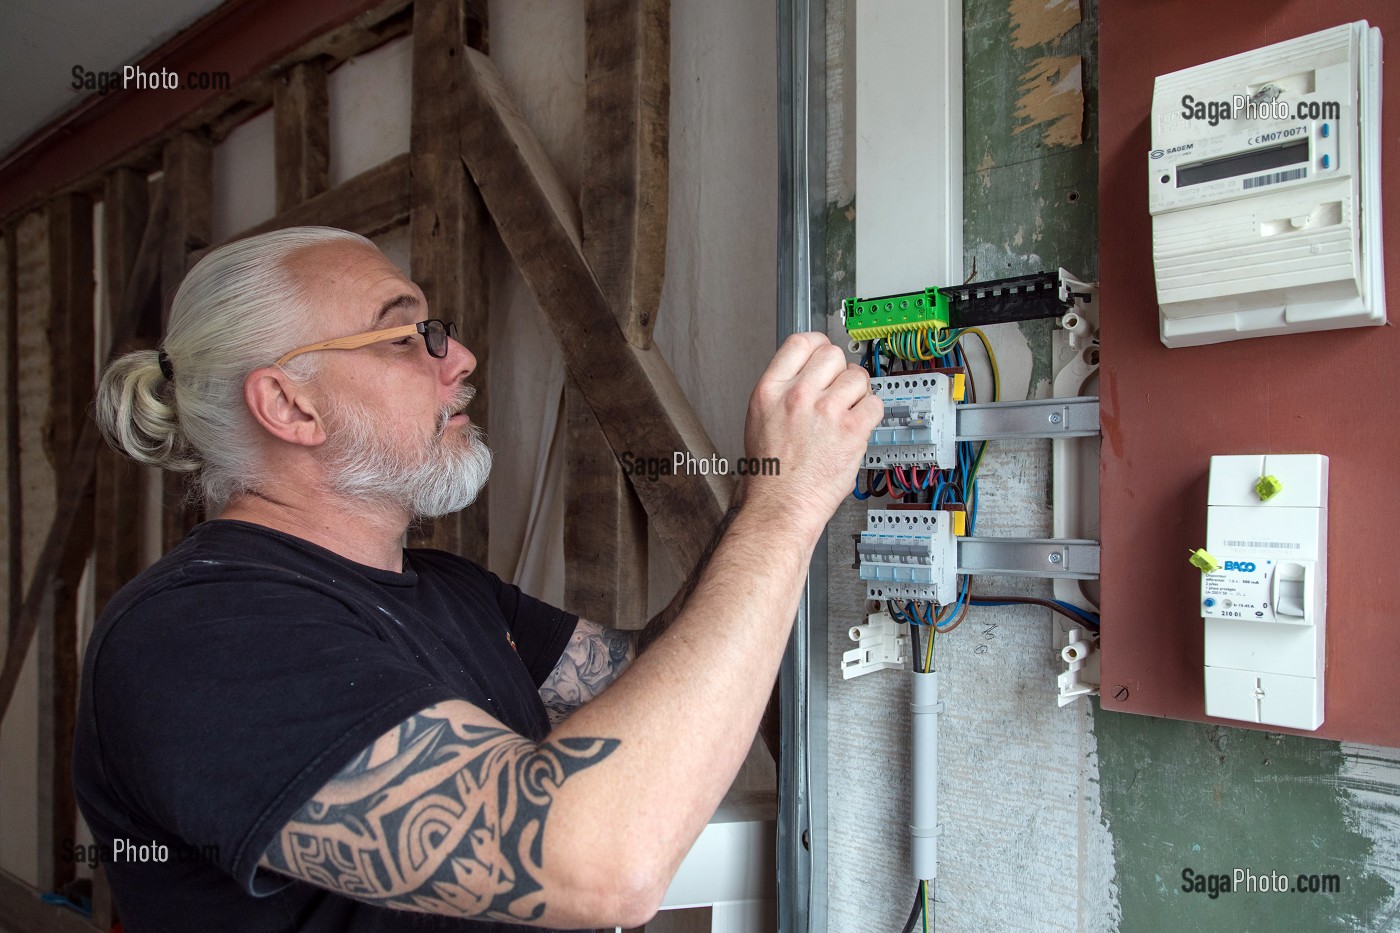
{"x": 369, "y": 99}
{"x": 244, "y": 177}
{"x": 537, "y": 45}
{"x": 718, "y": 323}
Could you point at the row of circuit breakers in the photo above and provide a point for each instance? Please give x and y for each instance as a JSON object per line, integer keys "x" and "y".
{"x": 916, "y": 549}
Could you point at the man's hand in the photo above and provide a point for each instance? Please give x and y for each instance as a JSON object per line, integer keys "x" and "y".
{"x": 813, "y": 411}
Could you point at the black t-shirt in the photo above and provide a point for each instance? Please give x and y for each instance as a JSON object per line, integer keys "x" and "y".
{"x": 228, "y": 683}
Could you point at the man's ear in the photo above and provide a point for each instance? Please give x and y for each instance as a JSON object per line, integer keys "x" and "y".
{"x": 285, "y": 409}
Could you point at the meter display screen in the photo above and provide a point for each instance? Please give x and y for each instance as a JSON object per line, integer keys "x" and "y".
{"x": 1244, "y": 163}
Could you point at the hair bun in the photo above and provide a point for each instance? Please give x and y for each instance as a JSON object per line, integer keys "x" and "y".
{"x": 135, "y": 408}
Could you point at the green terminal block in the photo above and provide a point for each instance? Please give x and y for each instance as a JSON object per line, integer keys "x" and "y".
{"x": 1202, "y": 560}
{"x": 1267, "y": 487}
{"x": 869, "y": 318}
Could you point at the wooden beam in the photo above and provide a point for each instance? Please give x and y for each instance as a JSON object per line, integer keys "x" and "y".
{"x": 448, "y": 227}
{"x": 60, "y": 543}
{"x": 605, "y": 527}
{"x": 302, "y": 134}
{"x": 118, "y": 543}
{"x": 370, "y": 203}
{"x": 623, "y": 207}
{"x": 631, "y": 391}
{"x": 188, "y": 162}
{"x": 625, "y": 156}
{"x": 14, "y": 544}
{"x": 21, "y": 909}
{"x": 70, "y": 268}
{"x": 22, "y": 737}
{"x": 71, "y": 315}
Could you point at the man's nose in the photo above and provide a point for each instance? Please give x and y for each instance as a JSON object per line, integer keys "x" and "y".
{"x": 459, "y": 362}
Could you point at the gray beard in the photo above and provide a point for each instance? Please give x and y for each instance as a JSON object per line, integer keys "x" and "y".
{"x": 435, "y": 477}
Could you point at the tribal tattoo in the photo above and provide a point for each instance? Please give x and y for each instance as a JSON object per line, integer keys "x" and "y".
{"x": 592, "y": 660}
{"x": 442, "y": 816}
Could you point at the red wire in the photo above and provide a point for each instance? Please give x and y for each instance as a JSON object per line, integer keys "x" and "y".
{"x": 889, "y": 486}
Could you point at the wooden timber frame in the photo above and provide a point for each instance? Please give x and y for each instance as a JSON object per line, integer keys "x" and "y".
{"x": 594, "y": 267}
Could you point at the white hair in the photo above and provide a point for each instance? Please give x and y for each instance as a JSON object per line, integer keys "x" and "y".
{"x": 237, "y": 310}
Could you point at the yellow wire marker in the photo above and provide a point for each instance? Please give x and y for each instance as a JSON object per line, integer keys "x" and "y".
{"x": 1202, "y": 560}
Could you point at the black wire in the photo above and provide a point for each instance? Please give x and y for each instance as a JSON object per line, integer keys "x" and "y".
{"x": 914, "y": 636}
{"x": 914, "y": 914}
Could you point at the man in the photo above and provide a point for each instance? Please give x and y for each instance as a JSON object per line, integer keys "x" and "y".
{"x": 324, "y": 730}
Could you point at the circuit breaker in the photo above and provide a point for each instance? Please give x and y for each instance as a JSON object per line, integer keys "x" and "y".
{"x": 920, "y": 426}
{"x": 1264, "y": 589}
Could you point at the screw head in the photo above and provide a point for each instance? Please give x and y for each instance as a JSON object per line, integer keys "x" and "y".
{"x": 1055, "y": 418}
{"x": 1120, "y": 692}
{"x": 1055, "y": 557}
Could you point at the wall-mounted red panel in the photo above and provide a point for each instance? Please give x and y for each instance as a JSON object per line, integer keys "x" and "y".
{"x": 1166, "y": 412}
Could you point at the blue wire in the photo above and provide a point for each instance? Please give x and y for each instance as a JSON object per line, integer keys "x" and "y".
{"x": 962, "y": 597}
{"x": 1084, "y": 614}
{"x": 857, "y": 491}
{"x": 972, "y": 515}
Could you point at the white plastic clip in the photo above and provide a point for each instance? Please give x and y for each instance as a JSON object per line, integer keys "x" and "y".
{"x": 881, "y": 647}
{"x": 1082, "y": 676}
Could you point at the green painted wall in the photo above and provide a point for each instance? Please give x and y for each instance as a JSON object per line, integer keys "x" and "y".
{"x": 1213, "y": 799}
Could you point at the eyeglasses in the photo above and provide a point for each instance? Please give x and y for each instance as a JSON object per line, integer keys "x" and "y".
{"x": 435, "y": 336}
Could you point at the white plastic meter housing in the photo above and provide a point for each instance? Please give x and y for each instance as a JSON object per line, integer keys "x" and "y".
{"x": 1265, "y": 608}
{"x": 1264, "y": 186}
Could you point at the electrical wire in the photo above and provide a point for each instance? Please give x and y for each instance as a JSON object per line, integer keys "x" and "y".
{"x": 919, "y": 897}
{"x": 928, "y": 661}
{"x": 914, "y": 637}
{"x": 957, "y": 612}
{"x": 991, "y": 359}
{"x": 1068, "y": 610}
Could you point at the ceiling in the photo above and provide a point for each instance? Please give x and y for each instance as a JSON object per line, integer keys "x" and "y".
{"x": 42, "y": 40}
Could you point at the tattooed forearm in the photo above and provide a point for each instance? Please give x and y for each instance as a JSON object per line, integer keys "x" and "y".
{"x": 593, "y": 659}
{"x": 596, "y": 655}
{"x": 663, "y": 619}
{"x": 442, "y": 816}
